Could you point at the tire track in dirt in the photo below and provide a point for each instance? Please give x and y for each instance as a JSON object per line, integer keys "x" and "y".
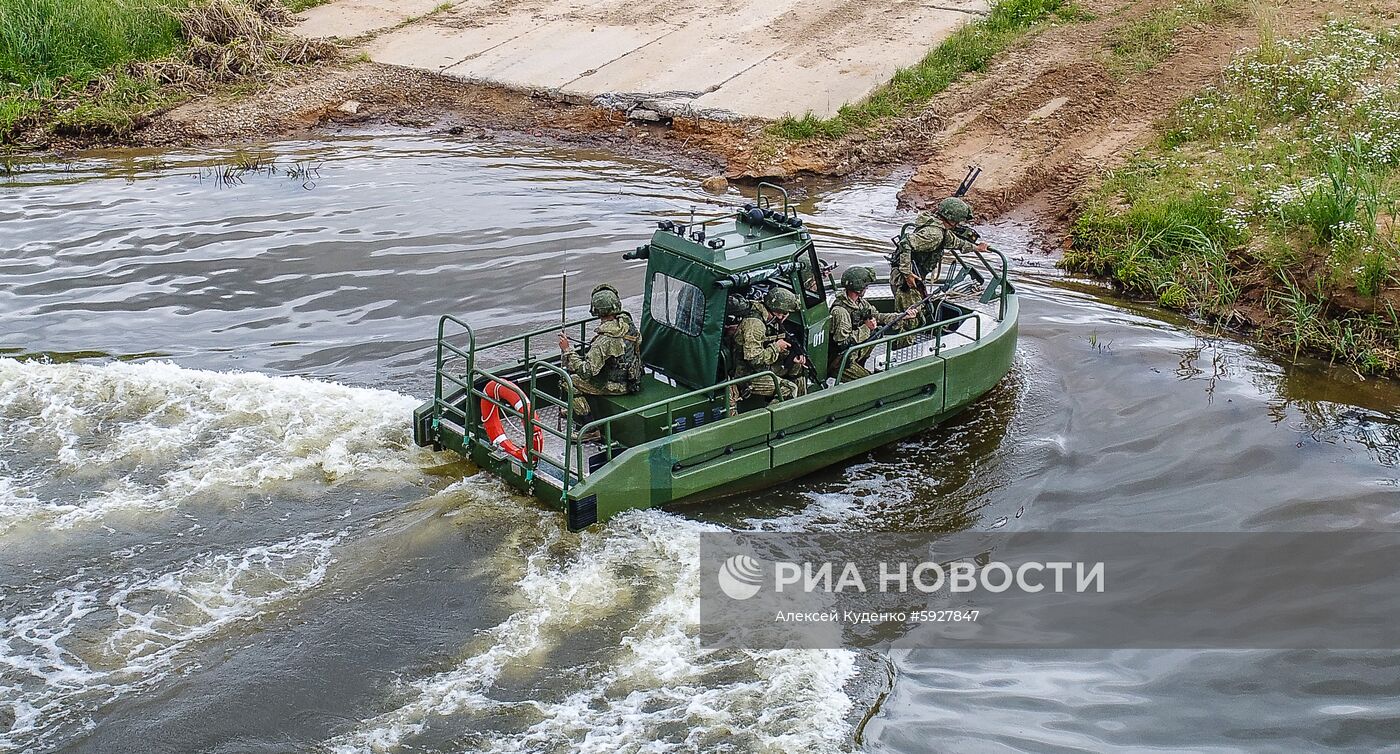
{"x": 1051, "y": 116}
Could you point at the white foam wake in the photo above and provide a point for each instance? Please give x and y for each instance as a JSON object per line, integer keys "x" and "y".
{"x": 153, "y": 435}
{"x": 659, "y": 691}
{"x": 93, "y": 643}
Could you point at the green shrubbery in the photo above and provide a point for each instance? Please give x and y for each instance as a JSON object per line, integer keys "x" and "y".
{"x": 967, "y": 49}
{"x": 1279, "y": 185}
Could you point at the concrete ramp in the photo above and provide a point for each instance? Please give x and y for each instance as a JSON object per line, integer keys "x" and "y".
{"x": 712, "y": 58}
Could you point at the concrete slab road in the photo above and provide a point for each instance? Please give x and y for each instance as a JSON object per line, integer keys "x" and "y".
{"x": 711, "y": 58}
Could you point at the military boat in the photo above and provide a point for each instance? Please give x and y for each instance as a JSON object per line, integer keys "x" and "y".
{"x": 687, "y": 436}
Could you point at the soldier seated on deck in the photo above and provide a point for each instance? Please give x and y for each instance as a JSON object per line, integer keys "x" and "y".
{"x": 611, "y": 363}
{"x": 920, "y": 253}
{"x": 854, "y": 320}
{"x": 761, "y": 345}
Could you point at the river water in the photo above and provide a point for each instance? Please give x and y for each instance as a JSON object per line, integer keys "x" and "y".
{"x": 215, "y": 534}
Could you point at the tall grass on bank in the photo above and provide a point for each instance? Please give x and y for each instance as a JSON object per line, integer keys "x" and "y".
{"x": 42, "y": 41}
{"x": 96, "y": 67}
{"x": 967, "y": 49}
{"x": 1270, "y": 199}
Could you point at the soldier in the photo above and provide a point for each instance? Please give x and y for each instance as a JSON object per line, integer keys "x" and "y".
{"x": 612, "y": 361}
{"x": 920, "y": 253}
{"x": 854, "y": 320}
{"x": 761, "y": 345}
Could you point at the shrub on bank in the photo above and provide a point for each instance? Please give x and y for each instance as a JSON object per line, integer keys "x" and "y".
{"x": 1270, "y": 200}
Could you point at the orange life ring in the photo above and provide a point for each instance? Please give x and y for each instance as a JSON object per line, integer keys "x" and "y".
{"x": 495, "y": 428}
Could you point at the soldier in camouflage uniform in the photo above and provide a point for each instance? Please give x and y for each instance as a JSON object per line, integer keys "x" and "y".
{"x": 612, "y": 362}
{"x": 761, "y": 345}
{"x": 922, "y": 251}
{"x": 854, "y": 320}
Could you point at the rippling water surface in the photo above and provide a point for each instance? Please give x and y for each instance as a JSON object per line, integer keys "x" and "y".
{"x": 215, "y": 533}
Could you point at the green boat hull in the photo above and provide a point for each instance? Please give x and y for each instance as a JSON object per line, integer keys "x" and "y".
{"x": 764, "y": 446}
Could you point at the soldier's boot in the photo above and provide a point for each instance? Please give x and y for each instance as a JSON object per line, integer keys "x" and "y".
{"x": 583, "y": 414}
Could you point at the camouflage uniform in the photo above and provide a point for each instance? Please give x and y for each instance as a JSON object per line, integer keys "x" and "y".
{"x": 603, "y": 370}
{"x": 848, "y": 328}
{"x": 754, "y": 352}
{"x": 919, "y": 256}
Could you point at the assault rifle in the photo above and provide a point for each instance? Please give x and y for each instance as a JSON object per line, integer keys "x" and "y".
{"x": 797, "y": 346}
{"x": 885, "y": 329}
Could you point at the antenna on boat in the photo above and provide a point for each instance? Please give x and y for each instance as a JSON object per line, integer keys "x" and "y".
{"x": 564, "y": 299}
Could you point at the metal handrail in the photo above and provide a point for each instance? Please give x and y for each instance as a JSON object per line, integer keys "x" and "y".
{"x": 889, "y": 340}
{"x": 582, "y": 325}
{"x": 787, "y": 203}
{"x": 566, "y": 381}
{"x": 604, "y": 425}
{"x": 441, "y": 343}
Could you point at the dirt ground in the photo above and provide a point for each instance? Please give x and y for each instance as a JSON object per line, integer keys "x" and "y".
{"x": 1042, "y": 121}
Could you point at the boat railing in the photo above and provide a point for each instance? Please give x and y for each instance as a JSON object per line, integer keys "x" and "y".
{"x": 604, "y": 425}
{"x": 525, "y": 341}
{"x": 997, "y": 270}
{"x": 441, "y": 406}
{"x": 573, "y": 465}
{"x": 465, "y": 379}
{"x": 937, "y": 328}
{"x": 532, "y": 398}
{"x": 564, "y": 430}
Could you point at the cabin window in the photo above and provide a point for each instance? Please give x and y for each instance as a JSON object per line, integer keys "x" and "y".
{"x": 809, "y": 277}
{"x": 677, "y": 304}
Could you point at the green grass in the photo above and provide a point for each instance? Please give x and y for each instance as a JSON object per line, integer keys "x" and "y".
{"x": 70, "y": 67}
{"x": 43, "y": 41}
{"x": 1274, "y": 190}
{"x": 297, "y": 6}
{"x": 967, "y": 50}
{"x": 73, "y": 50}
{"x": 1141, "y": 44}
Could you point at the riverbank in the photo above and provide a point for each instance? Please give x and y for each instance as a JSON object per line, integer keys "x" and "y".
{"x": 1052, "y": 99}
{"x": 1267, "y": 202}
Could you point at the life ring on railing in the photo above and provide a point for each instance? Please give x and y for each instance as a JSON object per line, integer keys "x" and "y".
{"x": 491, "y": 416}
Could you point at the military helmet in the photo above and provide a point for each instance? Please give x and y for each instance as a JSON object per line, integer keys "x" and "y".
{"x": 781, "y": 300}
{"x": 954, "y": 210}
{"x": 604, "y": 301}
{"x": 857, "y": 278}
